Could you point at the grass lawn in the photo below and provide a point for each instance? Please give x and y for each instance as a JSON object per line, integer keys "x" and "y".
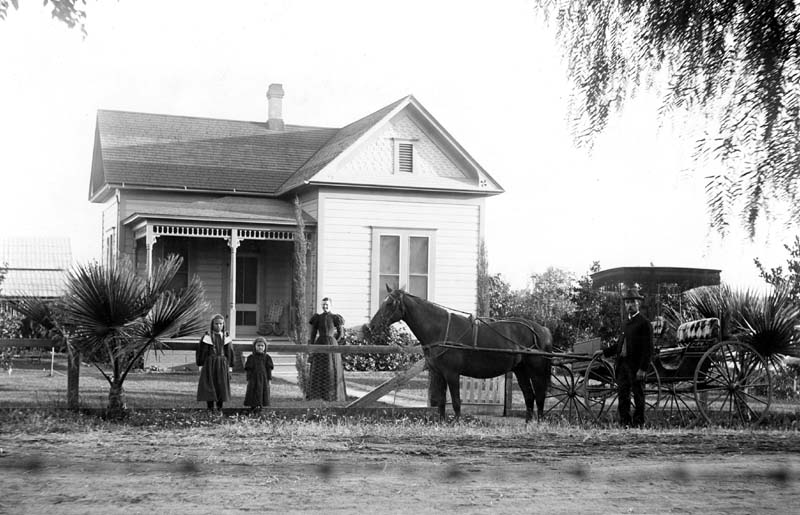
{"x": 31, "y": 385}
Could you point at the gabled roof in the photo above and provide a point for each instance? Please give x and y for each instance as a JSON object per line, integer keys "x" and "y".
{"x": 237, "y": 157}
{"x": 178, "y": 152}
{"x": 37, "y": 266}
{"x": 344, "y": 138}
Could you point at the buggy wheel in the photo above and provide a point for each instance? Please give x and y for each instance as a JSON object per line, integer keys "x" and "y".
{"x": 652, "y": 390}
{"x": 678, "y": 402}
{"x": 567, "y": 394}
{"x": 732, "y": 385}
{"x": 599, "y": 387}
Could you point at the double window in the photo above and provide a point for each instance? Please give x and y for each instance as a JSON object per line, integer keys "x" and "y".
{"x": 402, "y": 258}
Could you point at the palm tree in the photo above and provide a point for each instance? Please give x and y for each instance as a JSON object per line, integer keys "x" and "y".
{"x": 114, "y": 316}
{"x": 764, "y": 319}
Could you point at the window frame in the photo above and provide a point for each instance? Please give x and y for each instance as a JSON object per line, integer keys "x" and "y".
{"x": 405, "y": 234}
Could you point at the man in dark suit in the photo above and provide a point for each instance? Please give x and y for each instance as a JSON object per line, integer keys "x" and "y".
{"x": 633, "y": 349}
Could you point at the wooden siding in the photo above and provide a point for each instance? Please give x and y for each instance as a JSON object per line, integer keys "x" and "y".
{"x": 277, "y": 274}
{"x": 374, "y": 163}
{"x": 346, "y": 236}
{"x": 110, "y": 222}
{"x": 211, "y": 266}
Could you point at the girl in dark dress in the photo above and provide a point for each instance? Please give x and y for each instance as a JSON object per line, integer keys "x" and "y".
{"x": 326, "y": 370}
{"x": 215, "y": 357}
{"x": 259, "y": 373}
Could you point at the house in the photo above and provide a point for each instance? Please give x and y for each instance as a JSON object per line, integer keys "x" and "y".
{"x": 390, "y": 198}
{"x": 35, "y": 266}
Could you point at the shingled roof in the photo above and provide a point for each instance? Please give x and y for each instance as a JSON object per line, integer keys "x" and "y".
{"x": 187, "y": 153}
{"x": 226, "y": 156}
{"x": 178, "y": 152}
{"x": 37, "y": 266}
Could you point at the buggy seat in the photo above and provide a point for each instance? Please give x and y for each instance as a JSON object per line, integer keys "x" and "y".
{"x": 704, "y": 329}
{"x": 689, "y": 334}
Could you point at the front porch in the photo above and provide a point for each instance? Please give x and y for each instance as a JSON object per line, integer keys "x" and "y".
{"x": 246, "y": 270}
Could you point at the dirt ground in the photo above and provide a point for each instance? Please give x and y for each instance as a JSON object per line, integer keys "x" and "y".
{"x": 230, "y": 468}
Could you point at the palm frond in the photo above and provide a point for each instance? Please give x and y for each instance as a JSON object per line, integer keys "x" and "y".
{"x": 162, "y": 275}
{"x": 764, "y": 319}
{"x": 767, "y": 322}
{"x": 42, "y": 315}
{"x": 174, "y": 315}
{"x": 101, "y": 301}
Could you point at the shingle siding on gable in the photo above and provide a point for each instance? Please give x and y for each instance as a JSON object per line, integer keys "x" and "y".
{"x": 347, "y": 238}
{"x": 376, "y": 160}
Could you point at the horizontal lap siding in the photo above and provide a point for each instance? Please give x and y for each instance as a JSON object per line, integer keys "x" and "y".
{"x": 278, "y": 281}
{"x": 347, "y": 240}
{"x": 211, "y": 268}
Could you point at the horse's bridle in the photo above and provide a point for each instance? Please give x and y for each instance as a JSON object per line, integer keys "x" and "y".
{"x": 399, "y": 305}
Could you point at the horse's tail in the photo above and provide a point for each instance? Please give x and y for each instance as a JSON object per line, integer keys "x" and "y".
{"x": 546, "y": 342}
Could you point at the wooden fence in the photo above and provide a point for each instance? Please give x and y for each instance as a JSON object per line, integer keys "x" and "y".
{"x": 474, "y": 391}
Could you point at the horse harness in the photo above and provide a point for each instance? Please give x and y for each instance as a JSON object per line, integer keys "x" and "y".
{"x": 474, "y": 325}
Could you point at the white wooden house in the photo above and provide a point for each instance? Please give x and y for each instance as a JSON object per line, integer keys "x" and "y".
{"x": 390, "y": 198}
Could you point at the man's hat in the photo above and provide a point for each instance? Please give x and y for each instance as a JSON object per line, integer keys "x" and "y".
{"x": 632, "y": 293}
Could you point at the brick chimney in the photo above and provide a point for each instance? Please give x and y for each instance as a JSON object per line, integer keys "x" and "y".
{"x": 275, "y": 107}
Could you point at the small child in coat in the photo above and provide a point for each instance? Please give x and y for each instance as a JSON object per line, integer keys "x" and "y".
{"x": 259, "y": 373}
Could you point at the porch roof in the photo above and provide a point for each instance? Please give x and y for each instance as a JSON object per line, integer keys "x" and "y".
{"x": 226, "y": 210}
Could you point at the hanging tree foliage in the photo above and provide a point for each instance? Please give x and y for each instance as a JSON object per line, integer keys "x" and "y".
{"x": 734, "y": 61}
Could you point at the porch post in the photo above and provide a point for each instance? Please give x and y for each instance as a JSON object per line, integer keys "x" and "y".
{"x": 150, "y": 240}
{"x": 233, "y": 243}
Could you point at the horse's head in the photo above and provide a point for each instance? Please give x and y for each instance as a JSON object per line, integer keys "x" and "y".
{"x": 391, "y": 310}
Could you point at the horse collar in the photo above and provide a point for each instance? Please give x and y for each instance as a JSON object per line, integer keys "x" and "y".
{"x": 447, "y": 327}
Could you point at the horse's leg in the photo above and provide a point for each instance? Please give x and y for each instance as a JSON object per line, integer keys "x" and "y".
{"x": 538, "y": 370}
{"x": 438, "y": 392}
{"x": 455, "y": 393}
{"x": 540, "y": 383}
{"x": 524, "y": 381}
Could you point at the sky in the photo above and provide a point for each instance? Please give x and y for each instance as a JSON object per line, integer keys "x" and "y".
{"x": 490, "y": 72}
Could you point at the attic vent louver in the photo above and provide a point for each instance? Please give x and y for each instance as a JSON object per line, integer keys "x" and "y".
{"x": 405, "y": 157}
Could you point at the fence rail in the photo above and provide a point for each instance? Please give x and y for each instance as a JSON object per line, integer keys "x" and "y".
{"x": 279, "y": 348}
{"x": 27, "y": 342}
{"x": 481, "y": 392}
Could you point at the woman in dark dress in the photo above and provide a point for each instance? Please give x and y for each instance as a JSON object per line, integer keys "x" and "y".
{"x": 259, "y": 373}
{"x": 326, "y": 370}
{"x": 215, "y": 357}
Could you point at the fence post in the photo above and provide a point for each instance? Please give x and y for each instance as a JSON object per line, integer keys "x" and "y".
{"x": 73, "y": 377}
{"x": 507, "y": 394}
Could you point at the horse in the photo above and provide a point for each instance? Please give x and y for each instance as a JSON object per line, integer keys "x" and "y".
{"x": 455, "y": 345}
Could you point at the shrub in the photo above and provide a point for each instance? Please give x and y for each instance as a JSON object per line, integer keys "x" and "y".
{"x": 380, "y": 362}
{"x": 785, "y": 381}
{"x": 10, "y": 327}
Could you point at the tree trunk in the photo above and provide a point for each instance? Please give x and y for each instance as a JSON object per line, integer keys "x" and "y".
{"x": 116, "y": 400}
{"x": 73, "y": 378}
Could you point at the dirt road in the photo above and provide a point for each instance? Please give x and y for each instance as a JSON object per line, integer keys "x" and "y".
{"x": 231, "y": 468}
